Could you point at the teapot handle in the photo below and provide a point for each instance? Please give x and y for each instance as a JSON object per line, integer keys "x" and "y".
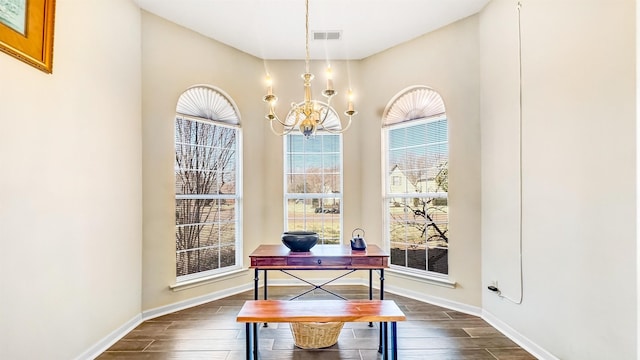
{"x": 356, "y": 229}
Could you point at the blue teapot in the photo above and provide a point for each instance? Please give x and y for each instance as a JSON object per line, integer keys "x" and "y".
{"x": 358, "y": 243}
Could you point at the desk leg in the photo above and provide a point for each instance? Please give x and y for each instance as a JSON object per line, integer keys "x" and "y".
{"x": 256, "y": 277}
{"x": 394, "y": 341}
{"x": 248, "y": 340}
{"x": 381, "y": 284}
{"x": 381, "y": 298}
{"x": 265, "y": 284}
{"x": 370, "y": 284}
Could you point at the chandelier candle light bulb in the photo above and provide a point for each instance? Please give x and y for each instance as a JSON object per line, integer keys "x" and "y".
{"x": 269, "y": 85}
{"x": 329, "y": 79}
{"x": 350, "y": 110}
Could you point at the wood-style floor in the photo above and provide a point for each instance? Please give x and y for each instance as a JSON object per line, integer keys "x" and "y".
{"x": 210, "y": 331}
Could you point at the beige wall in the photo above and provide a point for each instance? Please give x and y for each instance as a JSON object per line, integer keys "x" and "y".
{"x": 70, "y": 189}
{"x": 241, "y": 76}
{"x": 173, "y": 59}
{"x": 447, "y": 61}
{"x": 579, "y": 196}
{"x": 82, "y": 216}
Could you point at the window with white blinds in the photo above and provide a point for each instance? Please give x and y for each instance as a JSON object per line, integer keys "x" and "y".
{"x": 313, "y": 185}
{"x": 207, "y": 179}
{"x": 416, "y": 185}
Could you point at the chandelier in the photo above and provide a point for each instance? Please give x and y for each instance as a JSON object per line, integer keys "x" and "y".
{"x": 309, "y": 115}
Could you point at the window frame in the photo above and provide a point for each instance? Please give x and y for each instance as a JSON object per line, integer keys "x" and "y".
{"x": 310, "y": 196}
{"x": 237, "y": 197}
{"x": 388, "y": 196}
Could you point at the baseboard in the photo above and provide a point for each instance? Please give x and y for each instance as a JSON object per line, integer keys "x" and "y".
{"x": 420, "y": 296}
{"x": 168, "y": 309}
{"x": 102, "y": 345}
{"x": 521, "y": 340}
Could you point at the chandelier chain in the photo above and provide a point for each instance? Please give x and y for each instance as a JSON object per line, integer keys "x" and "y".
{"x": 306, "y": 34}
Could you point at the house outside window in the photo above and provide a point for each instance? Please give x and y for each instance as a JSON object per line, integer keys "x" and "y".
{"x": 207, "y": 179}
{"x": 416, "y": 155}
{"x": 313, "y": 185}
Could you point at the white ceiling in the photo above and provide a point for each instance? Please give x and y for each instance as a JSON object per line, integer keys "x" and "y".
{"x": 275, "y": 29}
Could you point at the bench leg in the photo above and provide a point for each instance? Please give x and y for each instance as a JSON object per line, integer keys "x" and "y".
{"x": 385, "y": 344}
{"x": 248, "y": 340}
{"x": 370, "y": 289}
{"x": 394, "y": 341}
{"x": 255, "y": 341}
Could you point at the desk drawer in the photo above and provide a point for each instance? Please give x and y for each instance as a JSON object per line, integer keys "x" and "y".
{"x": 315, "y": 261}
{"x": 269, "y": 261}
{"x": 376, "y": 262}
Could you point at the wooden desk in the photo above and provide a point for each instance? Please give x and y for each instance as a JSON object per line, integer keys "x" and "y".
{"x": 320, "y": 257}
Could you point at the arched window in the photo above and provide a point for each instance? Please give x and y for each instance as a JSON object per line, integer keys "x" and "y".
{"x": 208, "y": 183}
{"x": 416, "y": 185}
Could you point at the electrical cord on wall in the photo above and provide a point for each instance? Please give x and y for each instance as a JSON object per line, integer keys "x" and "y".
{"x": 494, "y": 287}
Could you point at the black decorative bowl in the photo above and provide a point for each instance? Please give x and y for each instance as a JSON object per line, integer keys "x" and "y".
{"x": 299, "y": 241}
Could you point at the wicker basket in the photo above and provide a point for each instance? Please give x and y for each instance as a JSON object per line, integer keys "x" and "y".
{"x": 315, "y": 335}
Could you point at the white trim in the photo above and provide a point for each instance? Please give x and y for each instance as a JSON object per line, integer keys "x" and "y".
{"x": 528, "y": 345}
{"x": 188, "y": 284}
{"x": 206, "y": 92}
{"x": 116, "y": 335}
{"x": 414, "y": 102}
{"x": 434, "y": 300}
{"x": 637, "y": 189}
{"x": 208, "y": 121}
{"x": 295, "y": 196}
{"x": 168, "y": 309}
{"x": 435, "y": 195}
{"x": 426, "y": 278}
{"x": 113, "y": 337}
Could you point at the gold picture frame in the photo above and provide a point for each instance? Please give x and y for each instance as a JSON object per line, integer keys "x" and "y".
{"x": 26, "y": 31}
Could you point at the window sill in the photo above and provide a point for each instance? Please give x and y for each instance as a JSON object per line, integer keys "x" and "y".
{"x": 432, "y": 280}
{"x": 183, "y": 285}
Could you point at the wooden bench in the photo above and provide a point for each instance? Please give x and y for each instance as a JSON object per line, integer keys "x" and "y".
{"x": 386, "y": 312}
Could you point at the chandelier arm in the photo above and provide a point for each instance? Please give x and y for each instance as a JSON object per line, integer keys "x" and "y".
{"x": 283, "y": 133}
{"x": 326, "y": 112}
{"x": 341, "y": 130}
{"x": 275, "y": 117}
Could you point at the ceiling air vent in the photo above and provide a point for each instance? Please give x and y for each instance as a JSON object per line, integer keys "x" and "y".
{"x": 327, "y": 35}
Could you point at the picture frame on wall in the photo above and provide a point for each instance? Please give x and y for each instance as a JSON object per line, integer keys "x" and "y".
{"x": 26, "y": 31}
